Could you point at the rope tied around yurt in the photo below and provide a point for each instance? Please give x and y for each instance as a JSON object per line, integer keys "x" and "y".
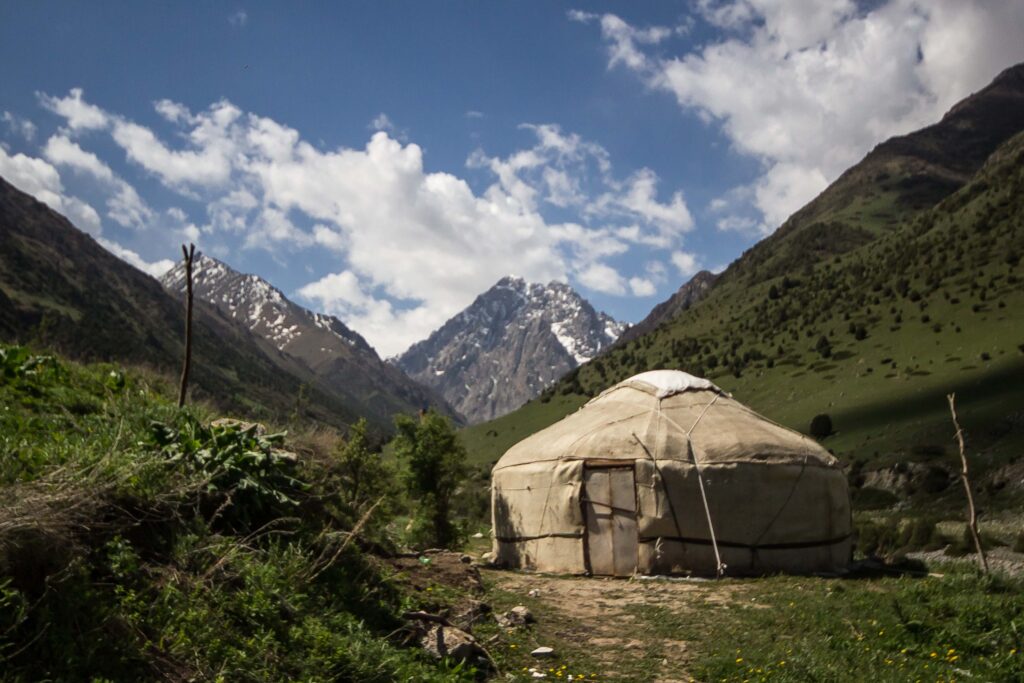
{"x": 657, "y": 470}
{"x": 719, "y": 565}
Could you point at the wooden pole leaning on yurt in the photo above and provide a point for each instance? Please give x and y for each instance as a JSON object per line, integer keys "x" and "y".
{"x": 719, "y": 565}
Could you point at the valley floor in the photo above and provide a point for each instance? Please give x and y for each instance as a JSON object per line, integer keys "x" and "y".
{"x": 944, "y": 625}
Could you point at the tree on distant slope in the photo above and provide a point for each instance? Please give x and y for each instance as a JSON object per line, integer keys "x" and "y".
{"x": 435, "y": 461}
{"x": 823, "y": 347}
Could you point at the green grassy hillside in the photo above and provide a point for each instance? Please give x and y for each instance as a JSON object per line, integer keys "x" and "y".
{"x": 139, "y": 542}
{"x": 875, "y": 337}
{"x": 898, "y": 179}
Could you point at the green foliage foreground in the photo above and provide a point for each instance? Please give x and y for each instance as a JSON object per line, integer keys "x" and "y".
{"x": 139, "y": 542}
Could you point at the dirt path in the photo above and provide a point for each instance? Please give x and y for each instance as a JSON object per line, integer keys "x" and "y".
{"x": 629, "y": 629}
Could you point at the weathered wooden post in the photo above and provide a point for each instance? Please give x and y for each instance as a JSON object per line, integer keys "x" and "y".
{"x": 972, "y": 521}
{"x": 189, "y": 254}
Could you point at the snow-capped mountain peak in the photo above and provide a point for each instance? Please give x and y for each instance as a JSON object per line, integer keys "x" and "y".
{"x": 337, "y": 355}
{"x": 254, "y": 302}
{"x": 507, "y": 346}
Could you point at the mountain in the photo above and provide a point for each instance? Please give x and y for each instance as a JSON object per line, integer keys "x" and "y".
{"x": 514, "y": 340}
{"x": 60, "y": 289}
{"x": 342, "y": 360}
{"x": 874, "y": 334}
{"x": 695, "y": 289}
{"x": 896, "y": 180}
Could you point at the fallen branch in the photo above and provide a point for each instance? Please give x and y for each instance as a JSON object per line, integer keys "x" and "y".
{"x": 348, "y": 539}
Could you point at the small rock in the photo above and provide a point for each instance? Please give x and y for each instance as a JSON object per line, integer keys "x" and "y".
{"x": 517, "y": 616}
{"x": 544, "y": 651}
{"x": 522, "y": 614}
{"x": 478, "y": 535}
{"x": 465, "y": 559}
{"x": 448, "y": 641}
{"x": 487, "y": 557}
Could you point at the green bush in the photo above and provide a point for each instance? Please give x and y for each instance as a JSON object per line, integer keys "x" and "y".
{"x": 821, "y": 426}
{"x": 363, "y": 480}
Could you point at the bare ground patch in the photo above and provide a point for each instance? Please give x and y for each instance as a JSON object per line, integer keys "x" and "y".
{"x": 616, "y": 624}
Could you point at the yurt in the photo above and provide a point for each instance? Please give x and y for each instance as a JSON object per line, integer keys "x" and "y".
{"x": 665, "y": 473}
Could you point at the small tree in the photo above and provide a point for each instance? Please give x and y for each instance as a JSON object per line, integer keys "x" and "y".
{"x": 823, "y": 347}
{"x": 435, "y": 466}
{"x": 365, "y": 477}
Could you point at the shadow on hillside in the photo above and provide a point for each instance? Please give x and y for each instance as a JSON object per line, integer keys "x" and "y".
{"x": 991, "y": 386}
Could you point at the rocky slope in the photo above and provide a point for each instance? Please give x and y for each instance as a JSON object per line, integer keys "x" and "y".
{"x": 689, "y": 294}
{"x": 898, "y": 179}
{"x": 338, "y": 356}
{"x": 513, "y": 341}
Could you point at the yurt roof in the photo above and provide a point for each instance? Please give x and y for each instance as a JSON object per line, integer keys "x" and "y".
{"x": 667, "y": 415}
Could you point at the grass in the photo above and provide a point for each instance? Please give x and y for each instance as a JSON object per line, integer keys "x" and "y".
{"x": 955, "y": 627}
{"x": 949, "y": 627}
{"x": 486, "y": 442}
{"x": 140, "y": 542}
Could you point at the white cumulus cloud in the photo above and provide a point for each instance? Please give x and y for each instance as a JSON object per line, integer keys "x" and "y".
{"x": 155, "y": 268}
{"x": 21, "y": 127}
{"x": 810, "y": 87}
{"x": 412, "y": 247}
{"x": 41, "y": 180}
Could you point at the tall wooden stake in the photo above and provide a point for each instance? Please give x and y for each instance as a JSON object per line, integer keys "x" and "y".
{"x": 972, "y": 522}
{"x": 188, "y": 254}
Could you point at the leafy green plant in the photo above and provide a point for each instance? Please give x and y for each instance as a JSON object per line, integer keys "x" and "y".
{"x": 21, "y": 368}
{"x": 254, "y": 477}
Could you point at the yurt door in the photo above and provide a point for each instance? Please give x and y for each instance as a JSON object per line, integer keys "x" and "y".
{"x": 610, "y": 508}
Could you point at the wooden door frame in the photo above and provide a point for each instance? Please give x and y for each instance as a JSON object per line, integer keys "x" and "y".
{"x": 604, "y": 464}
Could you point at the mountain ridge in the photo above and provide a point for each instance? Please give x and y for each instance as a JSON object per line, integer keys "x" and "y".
{"x": 340, "y": 357}
{"x": 875, "y": 334}
{"x": 62, "y": 290}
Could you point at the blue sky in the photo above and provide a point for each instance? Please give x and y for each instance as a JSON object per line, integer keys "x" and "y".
{"x": 387, "y": 162}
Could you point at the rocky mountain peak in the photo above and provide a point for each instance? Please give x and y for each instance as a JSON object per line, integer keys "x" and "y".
{"x": 508, "y": 345}
{"x": 339, "y": 356}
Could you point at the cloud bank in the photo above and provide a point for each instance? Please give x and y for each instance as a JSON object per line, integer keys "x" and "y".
{"x": 809, "y": 87}
{"x": 412, "y": 247}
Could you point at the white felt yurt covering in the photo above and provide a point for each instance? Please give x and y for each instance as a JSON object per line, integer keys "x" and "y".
{"x": 666, "y": 473}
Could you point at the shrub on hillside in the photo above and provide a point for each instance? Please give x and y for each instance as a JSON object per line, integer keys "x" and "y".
{"x": 435, "y": 467}
{"x": 823, "y": 347}
{"x": 363, "y": 480}
{"x": 821, "y": 426}
{"x": 250, "y": 480}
